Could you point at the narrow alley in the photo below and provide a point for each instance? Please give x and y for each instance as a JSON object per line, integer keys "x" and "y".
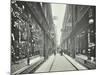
{"x": 52, "y": 37}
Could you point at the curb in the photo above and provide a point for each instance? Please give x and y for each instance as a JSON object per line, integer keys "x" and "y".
{"x": 28, "y": 68}
{"x": 77, "y": 65}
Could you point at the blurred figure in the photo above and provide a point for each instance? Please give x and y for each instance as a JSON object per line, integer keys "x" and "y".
{"x": 28, "y": 61}
{"x": 61, "y": 52}
{"x": 54, "y": 52}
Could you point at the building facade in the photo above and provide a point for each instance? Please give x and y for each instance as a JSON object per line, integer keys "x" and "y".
{"x": 30, "y": 30}
{"x": 82, "y": 32}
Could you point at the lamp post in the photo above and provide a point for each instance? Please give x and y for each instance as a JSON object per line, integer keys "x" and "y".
{"x": 90, "y": 29}
{"x": 53, "y": 44}
{"x": 28, "y": 39}
{"x": 28, "y": 60}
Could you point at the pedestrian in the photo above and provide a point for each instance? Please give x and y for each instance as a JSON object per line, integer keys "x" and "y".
{"x": 28, "y": 61}
{"x": 61, "y": 52}
{"x": 54, "y": 52}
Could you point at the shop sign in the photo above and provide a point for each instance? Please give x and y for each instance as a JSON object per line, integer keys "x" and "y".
{"x": 91, "y": 44}
{"x": 24, "y": 36}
